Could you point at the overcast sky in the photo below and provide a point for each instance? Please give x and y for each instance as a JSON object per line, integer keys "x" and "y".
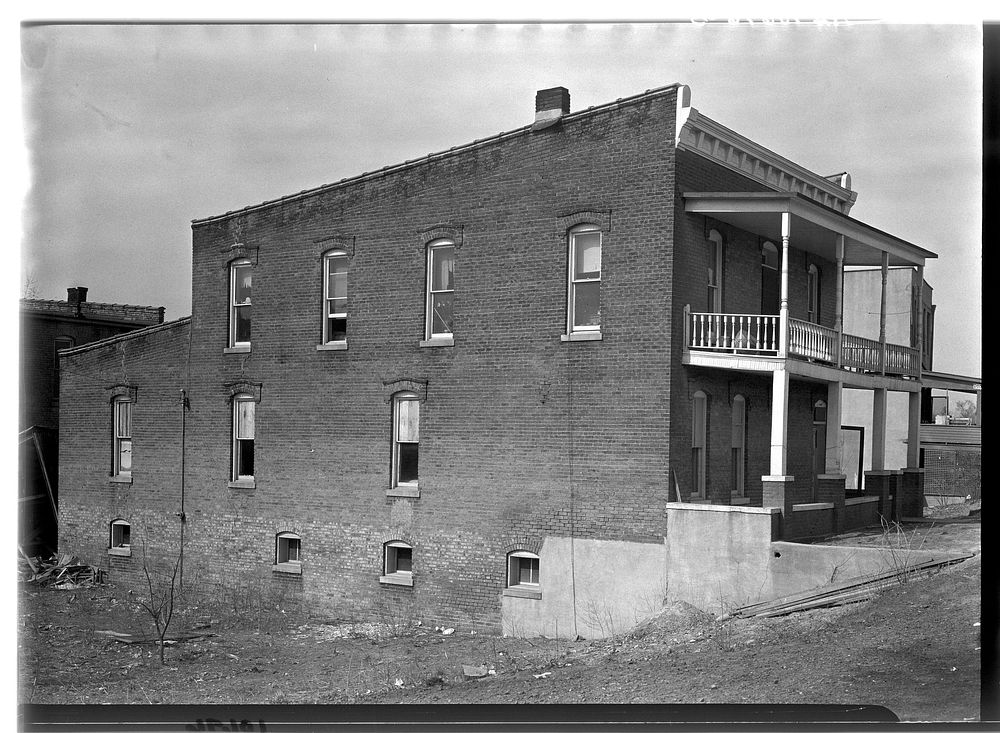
{"x": 133, "y": 131}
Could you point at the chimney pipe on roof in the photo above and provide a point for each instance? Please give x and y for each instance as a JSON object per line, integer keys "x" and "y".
{"x": 76, "y": 296}
{"x": 550, "y": 106}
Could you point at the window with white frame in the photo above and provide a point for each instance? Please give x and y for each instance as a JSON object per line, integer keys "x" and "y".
{"x": 240, "y": 287}
{"x": 405, "y": 439}
{"x": 522, "y": 570}
{"x": 335, "y": 266}
{"x": 812, "y": 294}
{"x": 714, "y": 301}
{"x": 120, "y": 541}
{"x": 122, "y": 431}
{"x": 244, "y": 432}
{"x": 288, "y": 552}
{"x": 440, "y": 289}
{"x": 584, "y": 279}
{"x": 699, "y": 443}
{"x": 739, "y": 443}
{"x": 397, "y": 563}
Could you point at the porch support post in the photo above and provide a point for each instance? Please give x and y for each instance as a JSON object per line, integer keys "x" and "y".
{"x": 913, "y": 432}
{"x": 878, "y": 430}
{"x": 786, "y": 225}
{"x": 838, "y": 324}
{"x": 881, "y": 311}
{"x": 779, "y": 422}
{"x": 917, "y": 316}
{"x": 834, "y": 459}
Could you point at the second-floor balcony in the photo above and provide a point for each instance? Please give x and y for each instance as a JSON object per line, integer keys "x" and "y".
{"x": 760, "y": 335}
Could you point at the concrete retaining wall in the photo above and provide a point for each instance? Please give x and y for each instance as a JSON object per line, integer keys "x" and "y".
{"x": 722, "y": 557}
{"x": 617, "y": 584}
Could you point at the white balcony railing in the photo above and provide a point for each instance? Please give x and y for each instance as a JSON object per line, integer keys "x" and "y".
{"x": 733, "y": 332}
{"x": 746, "y": 333}
{"x": 812, "y": 341}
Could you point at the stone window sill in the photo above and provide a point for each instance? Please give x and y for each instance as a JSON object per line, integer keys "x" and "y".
{"x": 332, "y": 346}
{"x": 515, "y": 592}
{"x": 244, "y": 349}
{"x": 396, "y": 579}
{"x": 243, "y": 483}
{"x": 739, "y": 501}
{"x": 290, "y": 568}
{"x": 582, "y": 336}
{"x": 435, "y": 341}
{"x": 120, "y": 551}
{"x": 412, "y": 492}
{"x": 119, "y": 479}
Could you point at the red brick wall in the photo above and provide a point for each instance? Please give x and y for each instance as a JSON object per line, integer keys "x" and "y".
{"x": 522, "y": 435}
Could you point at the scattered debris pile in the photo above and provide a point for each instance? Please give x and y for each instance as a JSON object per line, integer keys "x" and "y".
{"x": 64, "y": 572}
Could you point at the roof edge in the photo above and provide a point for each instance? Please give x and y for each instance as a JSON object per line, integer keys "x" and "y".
{"x": 405, "y": 165}
{"x": 124, "y": 336}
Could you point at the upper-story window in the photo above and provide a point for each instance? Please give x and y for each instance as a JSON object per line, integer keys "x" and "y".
{"x": 812, "y": 294}
{"x": 584, "y": 279}
{"x": 122, "y": 416}
{"x": 240, "y": 287}
{"x": 714, "y": 301}
{"x": 405, "y": 439}
{"x": 244, "y": 434}
{"x": 440, "y": 289}
{"x": 335, "y": 297}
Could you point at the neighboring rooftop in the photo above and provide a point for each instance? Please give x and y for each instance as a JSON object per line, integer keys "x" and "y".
{"x": 77, "y": 306}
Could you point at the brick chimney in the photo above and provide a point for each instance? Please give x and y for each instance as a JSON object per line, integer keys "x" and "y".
{"x": 550, "y": 106}
{"x": 76, "y": 295}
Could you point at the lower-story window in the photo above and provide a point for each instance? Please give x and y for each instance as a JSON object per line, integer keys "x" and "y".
{"x": 523, "y": 575}
{"x": 397, "y": 564}
{"x": 522, "y": 569}
{"x": 288, "y": 553}
{"x": 121, "y": 538}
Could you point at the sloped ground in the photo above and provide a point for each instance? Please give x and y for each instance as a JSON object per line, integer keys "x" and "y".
{"x": 914, "y": 649}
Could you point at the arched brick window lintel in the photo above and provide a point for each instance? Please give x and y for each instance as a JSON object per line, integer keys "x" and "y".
{"x": 404, "y": 384}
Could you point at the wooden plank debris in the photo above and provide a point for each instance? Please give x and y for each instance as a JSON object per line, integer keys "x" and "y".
{"x": 852, "y": 590}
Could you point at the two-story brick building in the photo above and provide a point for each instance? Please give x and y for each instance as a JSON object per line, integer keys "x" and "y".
{"x": 468, "y": 385}
{"x": 46, "y": 326}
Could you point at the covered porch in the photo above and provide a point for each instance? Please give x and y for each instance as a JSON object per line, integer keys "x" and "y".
{"x": 794, "y": 348}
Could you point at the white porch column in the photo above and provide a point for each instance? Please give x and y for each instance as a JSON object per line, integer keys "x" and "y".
{"x": 838, "y": 323}
{"x": 913, "y": 432}
{"x": 881, "y": 311}
{"x": 779, "y": 422}
{"x": 878, "y": 430}
{"x": 834, "y": 458}
{"x": 917, "y": 316}
{"x": 786, "y": 225}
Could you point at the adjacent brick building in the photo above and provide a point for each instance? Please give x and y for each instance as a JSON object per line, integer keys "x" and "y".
{"x": 465, "y": 387}
{"x": 46, "y": 327}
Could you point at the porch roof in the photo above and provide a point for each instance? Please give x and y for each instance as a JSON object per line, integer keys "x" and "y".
{"x": 814, "y": 227}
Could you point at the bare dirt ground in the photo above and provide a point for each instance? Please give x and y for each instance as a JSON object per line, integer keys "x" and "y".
{"x": 913, "y": 649}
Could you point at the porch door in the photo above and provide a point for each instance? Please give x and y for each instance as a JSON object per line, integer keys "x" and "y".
{"x": 818, "y": 445}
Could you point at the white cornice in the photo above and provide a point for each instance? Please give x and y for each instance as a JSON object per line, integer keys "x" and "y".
{"x": 706, "y": 137}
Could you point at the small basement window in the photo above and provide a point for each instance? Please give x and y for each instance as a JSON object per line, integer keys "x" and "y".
{"x": 397, "y": 564}
{"x": 288, "y": 553}
{"x": 523, "y": 577}
{"x": 121, "y": 538}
